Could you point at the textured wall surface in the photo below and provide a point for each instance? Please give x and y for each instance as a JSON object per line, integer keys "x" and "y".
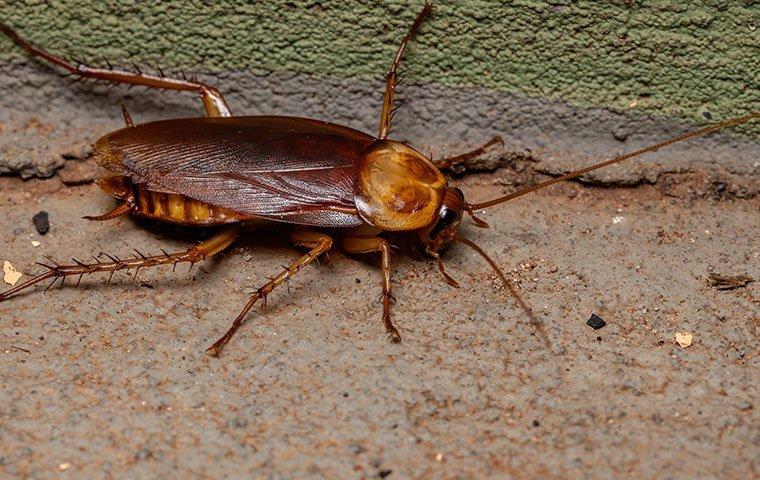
{"x": 564, "y": 84}
{"x": 667, "y": 57}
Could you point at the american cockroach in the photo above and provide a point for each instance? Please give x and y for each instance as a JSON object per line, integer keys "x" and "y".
{"x": 225, "y": 171}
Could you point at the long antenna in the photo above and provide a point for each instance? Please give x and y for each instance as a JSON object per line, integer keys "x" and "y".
{"x": 578, "y": 173}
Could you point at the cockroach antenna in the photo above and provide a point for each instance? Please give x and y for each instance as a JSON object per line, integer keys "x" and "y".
{"x": 577, "y": 173}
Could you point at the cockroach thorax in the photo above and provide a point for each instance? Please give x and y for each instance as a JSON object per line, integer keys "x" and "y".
{"x": 397, "y": 188}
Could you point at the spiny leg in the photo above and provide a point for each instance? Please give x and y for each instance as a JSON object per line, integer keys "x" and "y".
{"x": 361, "y": 244}
{"x": 126, "y": 115}
{"x": 391, "y": 78}
{"x": 445, "y": 163}
{"x": 319, "y": 243}
{"x": 212, "y": 99}
{"x": 194, "y": 254}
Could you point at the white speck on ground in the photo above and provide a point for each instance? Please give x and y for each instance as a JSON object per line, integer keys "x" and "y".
{"x": 11, "y": 276}
{"x": 684, "y": 339}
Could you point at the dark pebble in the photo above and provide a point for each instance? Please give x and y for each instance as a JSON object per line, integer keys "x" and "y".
{"x": 595, "y": 322}
{"x": 536, "y": 423}
{"x": 41, "y": 222}
{"x": 384, "y": 473}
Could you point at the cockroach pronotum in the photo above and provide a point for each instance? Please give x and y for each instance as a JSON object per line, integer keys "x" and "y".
{"x": 225, "y": 171}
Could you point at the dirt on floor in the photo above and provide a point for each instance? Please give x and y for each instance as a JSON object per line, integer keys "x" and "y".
{"x": 112, "y": 380}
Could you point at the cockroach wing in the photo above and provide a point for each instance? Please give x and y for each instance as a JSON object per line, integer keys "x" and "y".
{"x": 282, "y": 168}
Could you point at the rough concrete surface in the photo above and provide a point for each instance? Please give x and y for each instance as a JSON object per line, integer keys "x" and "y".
{"x": 111, "y": 380}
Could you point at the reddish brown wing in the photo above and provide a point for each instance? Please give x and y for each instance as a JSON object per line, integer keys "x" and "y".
{"x": 284, "y": 168}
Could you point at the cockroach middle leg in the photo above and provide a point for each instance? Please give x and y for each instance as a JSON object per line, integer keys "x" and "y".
{"x": 391, "y": 78}
{"x": 213, "y": 101}
{"x": 368, "y": 244}
{"x": 319, "y": 243}
{"x": 445, "y": 163}
{"x": 194, "y": 254}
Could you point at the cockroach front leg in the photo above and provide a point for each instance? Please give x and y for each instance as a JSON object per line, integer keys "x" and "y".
{"x": 319, "y": 243}
{"x": 212, "y": 99}
{"x": 368, "y": 244}
{"x": 194, "y": 254}
{"x": 445, "y": 163}
{"x": 391, "y": 78}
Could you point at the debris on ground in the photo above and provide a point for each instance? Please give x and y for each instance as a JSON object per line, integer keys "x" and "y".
{"x": 35, "y": 243}
{"x": 41, "y": 221}
{"x": 684, "y": 339}
{"x": 728, "y": 282}
{"x": 10, "y": 274}
{"x": 595, "y": 322}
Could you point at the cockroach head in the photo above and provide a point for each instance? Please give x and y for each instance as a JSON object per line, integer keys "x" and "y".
{"x": 443, "y": 230}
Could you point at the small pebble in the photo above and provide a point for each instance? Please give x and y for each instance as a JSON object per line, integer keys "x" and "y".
{"x": 41, "y": 222}
{"x": 35, "y": 243}
{"x": 595, "y": 322}
{"x": 684, "y": 339}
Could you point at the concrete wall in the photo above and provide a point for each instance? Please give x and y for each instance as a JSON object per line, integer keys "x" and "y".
{"x": 543, "y": 74}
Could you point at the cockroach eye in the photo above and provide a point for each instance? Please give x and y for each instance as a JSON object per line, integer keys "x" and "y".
{"x": 445, "y": 218}
{"x": 448, "y": 216}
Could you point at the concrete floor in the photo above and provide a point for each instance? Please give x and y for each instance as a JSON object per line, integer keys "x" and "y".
{"x": 111, "y": 380}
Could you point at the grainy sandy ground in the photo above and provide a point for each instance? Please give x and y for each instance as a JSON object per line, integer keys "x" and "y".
{"x": 112, "y": 380}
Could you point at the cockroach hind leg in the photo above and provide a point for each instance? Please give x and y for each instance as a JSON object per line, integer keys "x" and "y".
{"x": 213, "y": 101}
{"x": 121, "y": 209}
{"x": 210, "y": 247}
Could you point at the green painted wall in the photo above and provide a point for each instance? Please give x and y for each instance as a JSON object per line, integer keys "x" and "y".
{"x": 670, "y": 57}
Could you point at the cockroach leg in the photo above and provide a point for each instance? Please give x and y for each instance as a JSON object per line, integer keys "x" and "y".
{"x": 391, "y": 78}
{"x": 196, "y": 253}
{"x": 127, "y": 116}
{"x": 442, "y": 269}
{"x": 121, "y": 209}
{"x": 478, "y": 221}
{"x": 212, "y": 99}
{"x": 366, "y": 244}
{"x": 319, "y": 243}
{"x": 445, "y": 163}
